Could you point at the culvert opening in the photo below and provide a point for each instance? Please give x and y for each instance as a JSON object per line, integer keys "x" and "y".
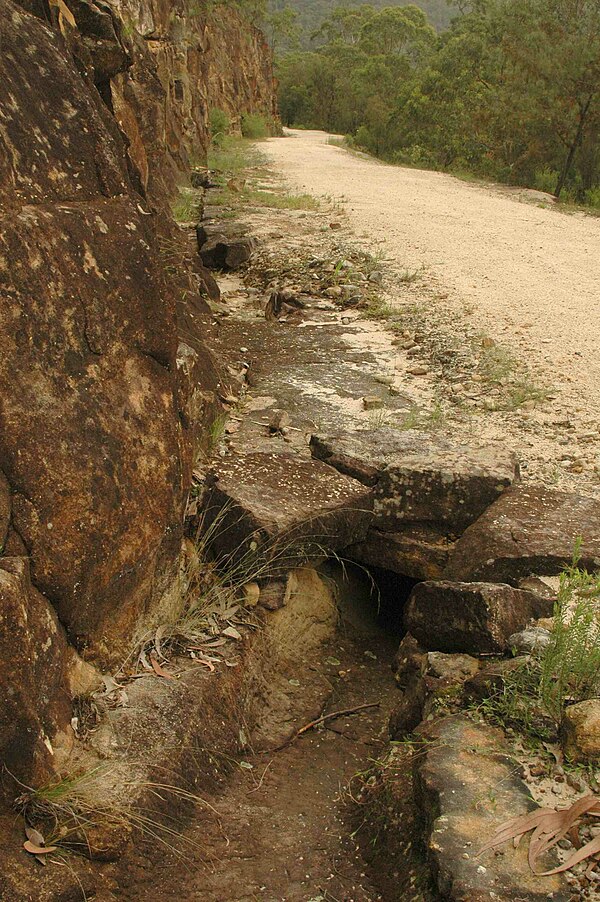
{"x": 369, "y": 598}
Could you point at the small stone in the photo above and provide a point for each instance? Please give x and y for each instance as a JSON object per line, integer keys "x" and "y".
{"x": 384, "y": 380}
{"x": 418, "y": 371}
{"x": 528, "y": 641}
{"x": 334, "y": 292}
{"x": 580, "y": 731}
{"x": 278, "y": 421}
{"x": 335, "y": 226}
{"x": 372, "y": 402}
{"x": 376, "y": 276}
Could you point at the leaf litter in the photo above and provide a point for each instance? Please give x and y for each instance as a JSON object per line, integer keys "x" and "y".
{"x": 548, "y": 826}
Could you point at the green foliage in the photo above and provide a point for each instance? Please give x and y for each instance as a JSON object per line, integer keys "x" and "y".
{"x": 187, "y": 205}
{"x": 219, "y": 124}
{"x": 532, "y": 697}
{"x": 570, "y": 666}
{"x": 510, "y": 91}
{"x": 311, "y": 14}
{"x": 254, "y": 126}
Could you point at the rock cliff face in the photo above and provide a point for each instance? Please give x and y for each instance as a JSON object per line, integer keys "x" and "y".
{"x": 101, "y": 110}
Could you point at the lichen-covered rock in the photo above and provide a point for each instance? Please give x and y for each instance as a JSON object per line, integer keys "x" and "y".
{"x": 34, "y": 701}
{"x": 5, "y": 506}
{"x": 420, "y": 478}
{"x": 467, "y": 786}
{"x": 291, "y": 505}
{"x": 477, "y": 618}
{"x": 532, "y": 640}
{"x": 529, "y": 530}
{"x": 580, "y": 732}
{"x": 91, "y": 441}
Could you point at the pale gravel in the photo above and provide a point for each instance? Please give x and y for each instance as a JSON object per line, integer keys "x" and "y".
{"x": 528, "y": 273}
{"x": 518, "y": 263}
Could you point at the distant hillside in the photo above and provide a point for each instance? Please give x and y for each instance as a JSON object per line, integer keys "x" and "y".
{"x": 311, "y": 13}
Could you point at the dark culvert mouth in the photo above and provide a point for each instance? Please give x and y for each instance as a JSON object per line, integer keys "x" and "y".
{"x": 372, "y": 600}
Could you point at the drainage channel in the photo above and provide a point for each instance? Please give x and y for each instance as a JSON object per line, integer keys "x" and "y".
{"x": 290, "y": 827}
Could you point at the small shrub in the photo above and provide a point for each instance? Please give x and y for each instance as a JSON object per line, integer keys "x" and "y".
{"x": 592, "y": 197}
{"x": 533, "y": 696}
{"x": 546, "y": 180}
{"x": 219, "y": 125}
{"x": 570, "y": 665}
{"x": 254, "y": 126}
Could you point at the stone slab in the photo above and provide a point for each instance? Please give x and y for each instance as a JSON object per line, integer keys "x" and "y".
{"x": 467, "y": 786}
{"x": 420, "y": 477}
{"x": 529, "y": 530}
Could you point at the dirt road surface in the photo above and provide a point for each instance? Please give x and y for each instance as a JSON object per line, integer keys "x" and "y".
{"x": 527, "y": 273}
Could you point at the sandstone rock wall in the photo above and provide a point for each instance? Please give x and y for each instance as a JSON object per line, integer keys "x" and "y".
{"x": 187, "y": 57}
{"x": 101, "y": 109}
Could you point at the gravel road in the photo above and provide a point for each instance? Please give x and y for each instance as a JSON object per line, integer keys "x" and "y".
{"x": 527, "y": 273}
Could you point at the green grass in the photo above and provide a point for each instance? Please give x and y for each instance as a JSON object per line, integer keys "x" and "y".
{"x": 409, "y": 276}
{"x": 251, "y": 197}
{"x": 233, "y": 156}
{"x": 533, "y": 697}
{"x": 238, "y": 159}
{"x": 79, "y": 812}
{"x": 187, "y": 205}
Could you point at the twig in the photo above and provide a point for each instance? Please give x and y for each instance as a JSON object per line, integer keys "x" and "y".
{"x": 260, "y": 782}
{"x": 323, "y": 719}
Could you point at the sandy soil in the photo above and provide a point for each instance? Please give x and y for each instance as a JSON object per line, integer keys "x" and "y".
{"x": 526, "y": 274}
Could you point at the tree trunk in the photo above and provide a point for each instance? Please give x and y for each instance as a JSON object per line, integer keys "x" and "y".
{"x": 583, "y": 112}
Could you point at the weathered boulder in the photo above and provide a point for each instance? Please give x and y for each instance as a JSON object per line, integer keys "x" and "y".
{"x": 477, "y": 618}
{"x": 419, "y": 552}
{"x": 532, "y": 640}
{"x": 34, "y": 701}
{"x": 529, "y": 530}
{"x": 451, "y": 669}
{"x": 580, "y": 732}
{"x": 222, "y": 251}
{"x": 420, "y": 478}
{"x": 91, "y": 440}
{"x": 426, "y": 679}
{"x": 410, "y": 661}
{"x": 466, "y": 785}
{"x": 294, "y": 507}
{"x": 100, "y": 29}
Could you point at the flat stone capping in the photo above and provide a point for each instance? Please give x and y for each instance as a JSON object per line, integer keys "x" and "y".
{"x": 284, "y": 499}
{"x": 529, "y": 530}
{"x": 420, "y": 477}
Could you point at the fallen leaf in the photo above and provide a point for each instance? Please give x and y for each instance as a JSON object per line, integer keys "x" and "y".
{"x": 232, "y": 632}
{"x": 33, "y": 849}
{"x": 549, "y": 828}
{"x": 34, "y": 836}
{"x": 591, "y": 848}
{"x": 158, "y": 670}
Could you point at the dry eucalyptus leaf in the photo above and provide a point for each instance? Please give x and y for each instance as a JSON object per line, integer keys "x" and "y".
{"x": 549, "y": 827}
{"x": 158, "y": 670}
{"x": 34, "y": 836}
{"x": 33, "y": 849}
{"x": 232, "y": 632}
